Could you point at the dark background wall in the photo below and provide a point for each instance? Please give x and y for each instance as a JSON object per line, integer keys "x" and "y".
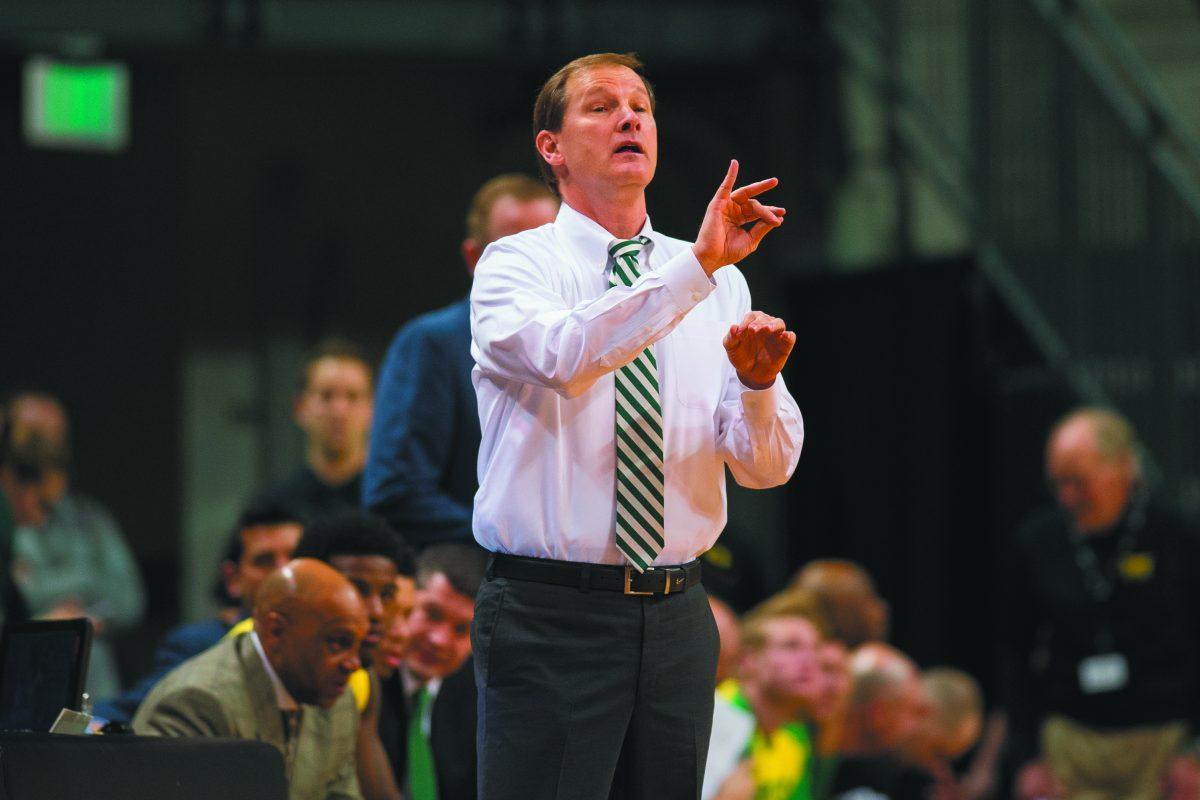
{"x": 276, "y": 194}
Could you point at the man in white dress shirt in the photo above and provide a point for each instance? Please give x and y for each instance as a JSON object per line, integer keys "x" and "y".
{"x": 618, "y": 371}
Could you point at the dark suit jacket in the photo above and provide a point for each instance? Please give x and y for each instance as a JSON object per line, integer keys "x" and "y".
{"x": 452, "y": 733}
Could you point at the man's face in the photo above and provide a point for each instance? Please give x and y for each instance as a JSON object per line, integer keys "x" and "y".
{"x": 439, "y": 630}
{"x": 265, "y": 548}
{"x": 899, "y": 715}
{"x": 394, "y": 645}
{"x": 1092, "y": 488}
{"x": 31, "y": 501}
{"x": 833, "y": 662}
{"x": 374, "y": 577}
{"x": 318, "y": 649}
{"x": 609, "y": 138}
{"x": 335, "y": 408}
{"x": 786, "y": 668}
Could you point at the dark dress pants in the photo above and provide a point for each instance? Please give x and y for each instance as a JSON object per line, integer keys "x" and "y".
{"x": 590, "y": 695}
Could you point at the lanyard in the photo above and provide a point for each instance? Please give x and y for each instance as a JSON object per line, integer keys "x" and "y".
{"x": 1100, "y": 582}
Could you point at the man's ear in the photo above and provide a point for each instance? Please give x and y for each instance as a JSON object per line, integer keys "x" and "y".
{"x": 471, "y": 253}
{"x": 231, "y": 579}
{"x": 270, "y": 627}
{"x": 546, "y": 143}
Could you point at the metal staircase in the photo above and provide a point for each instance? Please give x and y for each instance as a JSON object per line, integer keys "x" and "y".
{"x": 1072, "y": 163}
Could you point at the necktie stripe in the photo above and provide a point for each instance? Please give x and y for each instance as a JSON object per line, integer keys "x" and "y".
{"x": 639, "y": 483}
{"x": 653, "y": 431}
{"x": 635, "y": 459}
{"x": 646, "y": 481}
{"x": 634, "y": 541}
{"x": 634, "y": 400}
{"x": 649, "y": 394}
{"x": 638, "y": 522}
{"x": 646, "y": 506}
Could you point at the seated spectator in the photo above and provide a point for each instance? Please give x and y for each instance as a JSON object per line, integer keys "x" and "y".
{"x": 954, "y": 721}
{"x": 334, "y": 411}
{"x": 282, "y": 683}
{"x": 846, "y": 592}
{"x": 12, "y": 605}
{"x": 762, "y": 742}
{"x": 947, "y": 733}
{"x": 372, "y": 557}
{"x": 394, "y": 645}
{"x": 887, "y": 707}
{"x": 70, "y": 559}
{"x": 262, "y": 541}
{"x": 428, "y": 718}
{"x": 828, "y": 713}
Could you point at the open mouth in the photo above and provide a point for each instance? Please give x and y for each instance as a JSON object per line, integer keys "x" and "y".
{"x": 630, "y": 147}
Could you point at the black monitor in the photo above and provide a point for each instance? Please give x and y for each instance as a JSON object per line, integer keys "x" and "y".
{"x": 42, "y": 669}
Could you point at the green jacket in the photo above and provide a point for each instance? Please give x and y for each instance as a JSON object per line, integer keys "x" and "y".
{"x": 225, "y": 691}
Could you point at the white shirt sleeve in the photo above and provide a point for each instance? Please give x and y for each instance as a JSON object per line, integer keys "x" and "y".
{"x": 523, "y": 330}
{"x": 760, "y": 432}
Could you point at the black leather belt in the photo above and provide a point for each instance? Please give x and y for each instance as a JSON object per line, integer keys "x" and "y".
{"x": 603, "y": 577}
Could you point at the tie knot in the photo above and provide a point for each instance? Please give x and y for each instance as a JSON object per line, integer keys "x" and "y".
{"x": 623, "y": 248}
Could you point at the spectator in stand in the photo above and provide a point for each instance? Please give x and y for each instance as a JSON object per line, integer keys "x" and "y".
{"x": 828, "y": 713}
{"x": 421, "y": 472}
{"x": 428, "y": 715}
{"x": 394, "y": 646}
{"x": 70, "y": 559}
{"x": 947, "y": 733}
{"x": 856, "y": 612}
{"x": 762, "y": 741}
{"x": 282, "y": 682}
{"x": 887, "y": 707}
{"x": 262, "y": 541}
{"x": 334, "y": 411}
{"x": 373, "y": 558}
{"x": 12, "y": 478}
{"x": 1101, "y": 653}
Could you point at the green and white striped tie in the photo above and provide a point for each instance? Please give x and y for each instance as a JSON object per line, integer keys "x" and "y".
{"x": 639, "y": 435}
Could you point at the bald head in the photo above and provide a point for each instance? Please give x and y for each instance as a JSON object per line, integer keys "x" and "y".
{"x": 311, "y": 622}
{"x": 854, "y": 610}
{"x": 305, "y": 585}
{"x": 1092, "y": 466}
{"x": 887, "y": 701}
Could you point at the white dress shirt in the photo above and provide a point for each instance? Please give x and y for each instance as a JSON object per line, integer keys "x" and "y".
{"x": 282, "y": 696}
{"x": 548, "y": 332}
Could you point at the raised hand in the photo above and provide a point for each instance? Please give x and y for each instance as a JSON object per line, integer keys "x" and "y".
{"x": 758, "y": 347}
{"x": 722, "y": 239}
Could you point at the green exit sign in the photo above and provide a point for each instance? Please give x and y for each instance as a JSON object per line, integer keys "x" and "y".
{"x": 77, "y": 106}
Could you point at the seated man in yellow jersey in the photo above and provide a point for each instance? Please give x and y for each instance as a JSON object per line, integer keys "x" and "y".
{"x": 282, "y": 683}
{"x": 364, "y": 549}
{"x": 762, "y": 743}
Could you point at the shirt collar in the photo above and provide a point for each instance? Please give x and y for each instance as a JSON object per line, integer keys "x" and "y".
{"x": 588, "y": 238}
{"x": 282, "y": 696}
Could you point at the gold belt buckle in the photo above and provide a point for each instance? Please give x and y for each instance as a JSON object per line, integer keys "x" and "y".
{"x": 628, "y": 583}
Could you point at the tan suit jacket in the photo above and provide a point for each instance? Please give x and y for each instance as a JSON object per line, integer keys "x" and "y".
{"x": 225, "y": 691}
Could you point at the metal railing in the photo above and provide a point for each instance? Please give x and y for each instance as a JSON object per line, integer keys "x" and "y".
{"x": 1041, "y": 125}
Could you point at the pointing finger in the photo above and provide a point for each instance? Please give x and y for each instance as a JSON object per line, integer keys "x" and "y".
{"x": 754, "y": 189}
{"x": 730, "y": 176}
